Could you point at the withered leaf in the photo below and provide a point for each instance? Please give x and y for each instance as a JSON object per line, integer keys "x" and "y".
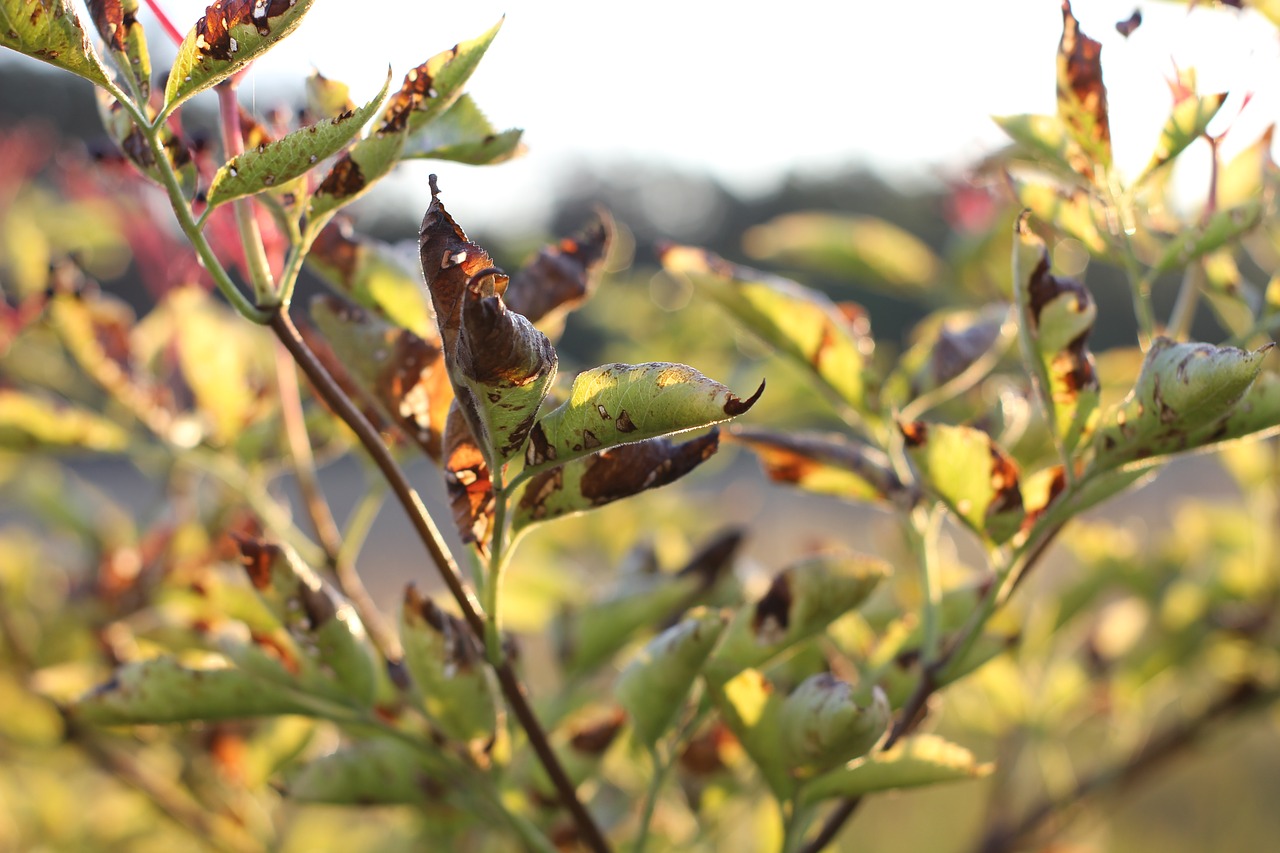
{"x": 969, "y": 472}
{"x": 405, "y": 374}
{"x": 467, "y": 480}
{"x": 562, "y": 276}
{"x": 48, "y": 30}
{"x": 117, "y": 23}
{"x": 1082, "y": 96}
{"x": 1130, "y": 24}
{"x": 611, "y": 475}
{"x": 826, "y": 464}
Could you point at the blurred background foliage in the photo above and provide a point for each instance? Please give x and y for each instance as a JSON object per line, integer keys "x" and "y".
{"x": 1148, "y": 609}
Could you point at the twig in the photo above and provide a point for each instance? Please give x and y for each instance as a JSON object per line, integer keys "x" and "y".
{"x": 1156, "y": 752}
{"x": 431, "y": 538}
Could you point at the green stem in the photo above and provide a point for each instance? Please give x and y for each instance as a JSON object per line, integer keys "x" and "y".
{"x": 255, "y": 254}
{"x": 499, "y": 554}
{"x": 656, "y": 781}
{"x": 1184, "y": 308}
{"x": 360, "y": 522}
{"x": 924, "y": 526}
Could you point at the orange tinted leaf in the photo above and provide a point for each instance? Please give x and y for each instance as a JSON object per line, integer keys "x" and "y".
{"x": 827, "y": 464}
{"x": 562, "y": 276}
{"x": 1082, "y": 96}
{"x": 466, "y": 478}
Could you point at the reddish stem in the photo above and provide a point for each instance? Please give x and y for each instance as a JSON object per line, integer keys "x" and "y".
{"x": 165, "y": 23}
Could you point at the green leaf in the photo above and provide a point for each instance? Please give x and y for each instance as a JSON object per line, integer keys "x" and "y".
{"x": 28, "y": 422}
{"x": 622, "y": 403}
{"x": 801, "y": 602}
{"x": 294, "y": 155}
{"x": 970, "y": 473}
{"x": 1046, "y": 141}
{"x": 826, "y": 464}
{"x": 404, "y": 374}
{"x": 800, "y": 323}
{"x": 867, "y": 248}
{"x": 162, "y": 690}
{"x": 355, "y": 172}
{"x": 1056, "y": 317}
{"x": 371, "y": 274}
{"x": 117, "y": 23}
{"x": 133, "y": 144}
{"x": 446, "y": 663}
{"x": 327, "y": 98}
{"x": 463, "y": 134}
{"x": 609, "y": 476}
{"x": 1186, "y": 396}
{"x": 750, "y": 707}
{"x": 1224, "y": 227}
{"x": 379, "y": 771}
{"x": 1072, "y": 211}
{"x": 824, "y": 723}
{"x": 231, "y": 34}
{"x": 435, "y": 85}
{"x": 1186, "y": 124}
{"x": 653, "y": 686}
{"x": 48, "y": 30}
{"x": 912, "y": 762}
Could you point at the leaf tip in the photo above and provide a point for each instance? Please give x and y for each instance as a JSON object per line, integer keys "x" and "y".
{"x": 735, "y": 406}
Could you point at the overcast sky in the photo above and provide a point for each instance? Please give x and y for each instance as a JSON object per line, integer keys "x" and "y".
{"x": 749, "y": 95}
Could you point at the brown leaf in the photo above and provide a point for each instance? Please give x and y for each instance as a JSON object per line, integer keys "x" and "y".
{"x": 466, "y": 478}
{"x": 808, "y": 460}
{"x": 562, "y": 276}
{"x": 1082, "y": 96}
{"x": 1129, "y": 24}
{"x": 213, "y": 31}
{"x": 112, "y": 22}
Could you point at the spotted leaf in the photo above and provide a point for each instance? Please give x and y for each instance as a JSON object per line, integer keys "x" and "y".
{"x": 610, "y": 475}
{"x": 826, "y": 464}
{"x": 327, "y": 98}
{"x": 1082, "y": 96}
{"x": 117, "y": 23}
{"x": 971, "y": 474}
{"x": 231, "y": 34}
{"x": 463, "y": 134}
{"x": 1056, "y": 316}
{"x": 279, "y": 162}
{"x": 48, "y": 30}
{"x": 372, "y": 274}
{"x": 467, "y": 481}
{"x": 912, "y": 762}
{"x": 1186, "y": 124}
{"x": 622, "y": 403}
{"x": 561, "y": 276}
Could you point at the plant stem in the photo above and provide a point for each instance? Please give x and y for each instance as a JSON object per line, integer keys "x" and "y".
{"x": 923, "y": 528}
{"x": 660, "y": 770}
{"x": 1184, "y": 307}
{"x": 250, "y": 236}
{"x": 432, "y": 540}
{"x": 498, "y": 555}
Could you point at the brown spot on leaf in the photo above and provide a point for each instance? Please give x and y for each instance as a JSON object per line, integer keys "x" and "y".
{"x": 467, "y": 481}
{"x": 620, "y": 472}
{"x": 773, "y": 611}
{"x": 594, "y": 738}
{"x": 274, "y": 648}
{"x": 735, "y": 406}
{"x": 337, "y": 246}
{"x": 257, "y": 556}
{"x": 1082, "y": 97}
{"x": 462, "y": 648}
{"x": 344, "y": 179}
{"x": 1004, "y": 481}
{"x": 112, "y": 22}
{"x": 915, "y": 433}
{"x": 213, "y": 31}
{"x": 542, "y": 487}
{"x": 624, "y": 422}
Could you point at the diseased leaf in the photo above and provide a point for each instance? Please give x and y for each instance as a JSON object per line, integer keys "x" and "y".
{"x": 405, "y": 374}
{"x": 1186, "y": 124}
{"x": 950, "y": 346}
{"x": 162, "y": 690}
{"x": 826, "y": 464}
{"x": 1223, "y": 227}
{"x": 435, "y": 85}
{"x": 506, "y": 367}
{"x": 1082, "y": 96}
{"x": 1186, "y": 396}
{"x": 467, "y": 481}
{"x": 231, "y": 34}
{"x": 622, "y": 403}
{"x": 653, "y": 686}
{"x": 912, "y": 762}
{"x": 133, "y": 145}
{"x": 562, "y": 276}
{"x": 1074, "y": 212}
{"x": 117, "y": 23}
{"x": 28, "y": 422}
{"x": 610, "y": 475}
{"x": 1235, "y": 301}
{"x": 450, "y": 263}
{"x": 867, "y": 248}
{"x": 371, "y": 772}
{"x": 971, "y": 474}
{"x": 446, "y": 663}
{"x": 371, "y": 274}
{"x": 1057, "y": 316}
{"x": 50, "y": 31}
{"x": 355, "y": 172}
{"x": 279, "y": 162}
{"x": 1046, "y": 141}
{"x": 798, "y": 322}
{"x": 463, "y": 134}
{"x": 801, "y": 602}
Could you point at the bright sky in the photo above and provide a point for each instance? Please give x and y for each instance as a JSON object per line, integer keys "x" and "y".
{"x": 749, "y": 95}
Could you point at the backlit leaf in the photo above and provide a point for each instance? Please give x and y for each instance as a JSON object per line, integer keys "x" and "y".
{"x": 750, "y": 707}
{"x": 281, "y": 161}
{"x": 622, "y": 403}
{"x": 824, "y": 722}
{"x": 826, "y": 464}
{"x": 49, "y": 30}
{"x": 371, "y": 274}
{"x": 463, "y": 134}
{"x": 970, "y": 473}
{"x": 1082, "y": 96}
{"x": 800, "y": 323}
{"x": 405, "y": 374}
{"x": 327, "y": 98}
{"x": 355, "y": 172}
{"x": 1185, "y": 125}
{"x": 134, "y": 146}
{"x": 435, "y": 85}
{"x": 1223, "y": 227}
{"x": 467, "y": 481}
{"x": 117, "y": 23}
{"x": 610, "y": 475}
{"x": 231, "y": 34}
{"x": 561, "y": 276}
{"x": 867, "y": 248}
{"x": 911, "y": 763}
{"x": 1046, "y": 140}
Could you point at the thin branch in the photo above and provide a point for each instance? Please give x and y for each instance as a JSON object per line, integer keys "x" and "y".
{"x": 1167, "y": 746}
{"x": 431, "y": 538}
